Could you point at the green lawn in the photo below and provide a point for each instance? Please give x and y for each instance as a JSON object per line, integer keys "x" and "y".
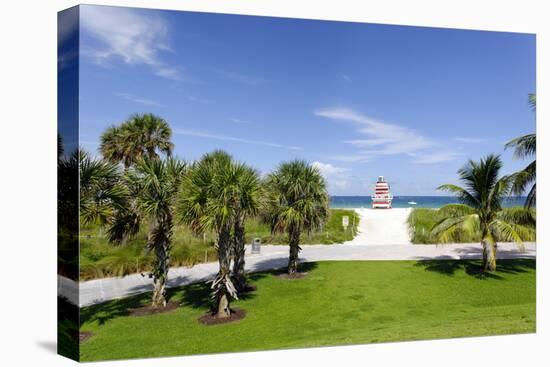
{"x": 338, "y": 303}
{"x": 99, "y": 259}
{"x": 422, "y": 220}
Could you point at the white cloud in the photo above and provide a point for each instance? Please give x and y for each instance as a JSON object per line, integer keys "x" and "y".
{"x": 470, "y": 140}
{"x": 208, "y": 135}
{"x": 132, "y": 98}
{"x": 337, "y": 177}
{"x": 240, "y": 121}
{"x": 328, "y": 169}
{"x": 382, "y": 138}
{"x": 127, "y": 35}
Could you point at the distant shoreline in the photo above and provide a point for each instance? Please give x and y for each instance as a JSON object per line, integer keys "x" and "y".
{"x": 428, "y": 202}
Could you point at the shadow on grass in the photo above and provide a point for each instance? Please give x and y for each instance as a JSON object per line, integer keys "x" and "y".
{"x": 448, "y": 266}
{"x": 103, "y": 312}
{"x": 197, "y": 295}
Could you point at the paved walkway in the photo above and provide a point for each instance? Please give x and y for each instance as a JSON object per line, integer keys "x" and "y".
{"x": 272, "y": 257}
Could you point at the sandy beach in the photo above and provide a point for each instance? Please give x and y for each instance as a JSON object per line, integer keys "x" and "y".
{"x": 382, "y": 227}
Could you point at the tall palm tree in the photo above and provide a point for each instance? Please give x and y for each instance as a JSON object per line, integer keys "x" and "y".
{"x": 152, "y": 186}
{"x": 481, "y": 214}
{"x": 247, "y": 194}
{"x": 297, "y": 201}
{"x": 526, "y": 147}
{"x": 142, "y": 135}
{"x": 205, "y": 203}
{"x": 101, "y": 189}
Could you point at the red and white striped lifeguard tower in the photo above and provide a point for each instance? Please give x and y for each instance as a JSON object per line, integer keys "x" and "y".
{"x": 382, "y": 198}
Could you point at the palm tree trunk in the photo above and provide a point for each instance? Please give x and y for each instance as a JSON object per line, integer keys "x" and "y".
{"x": 294, "y": 242}
{"x": 485, "y": 250}
{"x": 491, "y": 262}
{"x": 160, "y": 274}
{"x": 238, "y": 253}
{"x": 159, "y": 293}
{"x": 160, "y": 240}
{"x": 223, "y": 286}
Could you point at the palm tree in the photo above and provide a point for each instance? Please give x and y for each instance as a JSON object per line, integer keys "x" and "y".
{"x": 152, "y": 186}
{"x": 142, "y": 135}
{"x": 480, "y": 214}
{"x": 218, "y": 194}
{"x": 526, "y": 147}
{"x": 205, "y": 204}
{"x": 297, "y": 202}
{"x": 101, "y": 189}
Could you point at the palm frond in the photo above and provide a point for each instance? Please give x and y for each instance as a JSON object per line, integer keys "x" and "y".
{"x": 523, "y": 179}
{"x": 524, "y": 146}
{"x": 511, "y": 232}
{"x": 532, "y": 100}
{"x": 531, "y": 197}
{"x": 462, "y": 194}
{"x": 519, "y": 216}
{"x": 446, "y": 229}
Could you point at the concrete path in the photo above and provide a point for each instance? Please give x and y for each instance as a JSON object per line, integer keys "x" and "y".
{"x": 272, "y": 257}
{"x": 382, "y": 227}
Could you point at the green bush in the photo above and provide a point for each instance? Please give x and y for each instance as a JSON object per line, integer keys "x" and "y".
{"x": 333, "y": 231}
{"x": 99, "y": 258}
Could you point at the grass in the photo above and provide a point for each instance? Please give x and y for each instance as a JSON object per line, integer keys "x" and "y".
{"x": 422, "y": 220}
{"x": 347, "y": 302}
{"x": 99, "y": 259}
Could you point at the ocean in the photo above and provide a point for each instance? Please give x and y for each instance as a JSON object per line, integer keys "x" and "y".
{"x": 405, "y": 201}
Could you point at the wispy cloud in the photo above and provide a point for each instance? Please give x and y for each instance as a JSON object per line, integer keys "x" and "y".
{"x": 382, "y": 138}
{"x": 208, "y": 135}
{"x": 337, "y": 177}
{"x": 133, "y": 98}
{"x": 346, "y": 77}
{"x": 128, "y": 35}
{"x": 240, "y": 121}
{"x": 470, "y": 140}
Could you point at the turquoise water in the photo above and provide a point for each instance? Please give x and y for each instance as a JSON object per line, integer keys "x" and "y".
{"x": 403, "y": 201}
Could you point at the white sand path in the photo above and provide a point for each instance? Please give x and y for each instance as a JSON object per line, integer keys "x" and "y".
{"x": 382, "y": 227}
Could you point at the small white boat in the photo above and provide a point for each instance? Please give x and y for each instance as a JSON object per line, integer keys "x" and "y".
{"x": 412, "y": 203}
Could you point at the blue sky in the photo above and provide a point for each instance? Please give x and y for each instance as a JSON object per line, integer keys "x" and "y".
{"x": 357, "y": 100}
